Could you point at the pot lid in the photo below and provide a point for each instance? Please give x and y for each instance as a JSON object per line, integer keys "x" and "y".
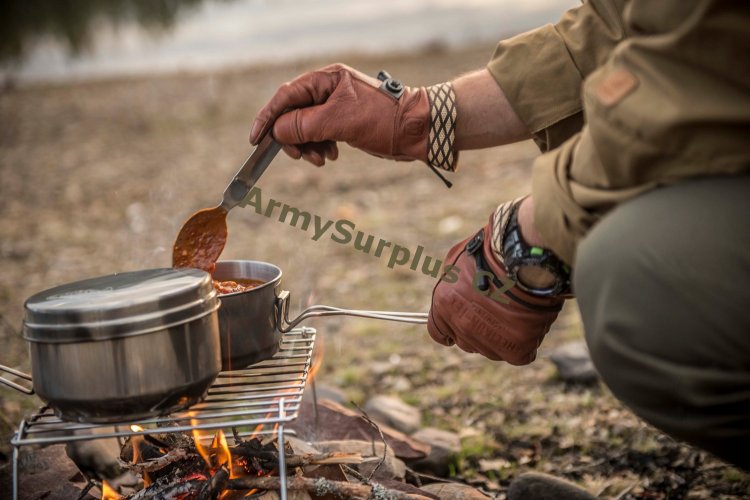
{"x": 118, "y": 305}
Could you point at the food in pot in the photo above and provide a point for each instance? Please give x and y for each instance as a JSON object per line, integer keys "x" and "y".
{"x": 235, "y": 286}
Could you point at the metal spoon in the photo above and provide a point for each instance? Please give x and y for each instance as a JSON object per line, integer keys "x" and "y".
{"x": 203, "y": 236}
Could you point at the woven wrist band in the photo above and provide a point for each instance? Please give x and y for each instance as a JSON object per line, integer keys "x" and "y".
{"x": 440, "y": 151}
{"x": 499, "y": 223}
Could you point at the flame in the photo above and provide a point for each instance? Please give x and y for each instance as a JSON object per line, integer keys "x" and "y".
{"x": 202, "y": 450}
{"x": 109, "y": 493}
{"x": 317, "y": 361}
{"x": 217, "y": 454}
{"x": 223, "y": 455}
{"x": 136, "y": 442}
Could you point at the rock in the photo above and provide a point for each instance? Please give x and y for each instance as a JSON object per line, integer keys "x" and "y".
{"x": 545, "y": 487}
{"x": 95, "y": 458}
{"x": 269, "y": 495}
{"x": 573, "y": 363}
{"x": 392, "y": 484}
{"x": 392, "y": 467}
{"x": 393, "y": 412}
{"x": 443, "y": 447}
{"x": 439, "y": 438}
{"x": 291, "y": 495}
{"x": 494, "y": 464}
{"x": 454, "y": 491}
{"x": 44, "y": 473}
{"x": 380, "y": 367}
{"x": 325, "y": 391}
{"x": 336, "y": 422}
{"x": 400, "y": 384}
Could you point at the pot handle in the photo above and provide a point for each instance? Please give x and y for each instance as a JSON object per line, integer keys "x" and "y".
{"x": 285, "y": 325}
{"x": 14, "y": 385}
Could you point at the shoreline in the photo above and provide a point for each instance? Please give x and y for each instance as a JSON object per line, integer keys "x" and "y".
{"x": 10, "y": 83}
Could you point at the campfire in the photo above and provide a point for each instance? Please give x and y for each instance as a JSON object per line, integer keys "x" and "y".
{"x": 178, "y": 466}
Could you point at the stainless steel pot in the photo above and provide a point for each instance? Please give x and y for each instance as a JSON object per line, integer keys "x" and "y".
{"x": 247, "y": 320}
{"x": 124, "y": 347}
{"x": 252, "y": 322}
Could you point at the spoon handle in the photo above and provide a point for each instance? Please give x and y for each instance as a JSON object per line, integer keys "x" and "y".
{"x": 246, "y": 177}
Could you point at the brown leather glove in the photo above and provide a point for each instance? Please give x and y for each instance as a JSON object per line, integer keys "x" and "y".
{"x": 338, "y": 103}
{"x": 478, "y": 308}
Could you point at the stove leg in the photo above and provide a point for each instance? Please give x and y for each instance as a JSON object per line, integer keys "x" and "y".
{"x": 15, "y": 472}
{"x": 315, "y": 407}
{"x": 282, "y": 451}
{"x": 85, "y": 491}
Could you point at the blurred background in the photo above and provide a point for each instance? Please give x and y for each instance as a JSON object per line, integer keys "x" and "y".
{"x": 119, "y": 118}
{"x": 75, "y": 39}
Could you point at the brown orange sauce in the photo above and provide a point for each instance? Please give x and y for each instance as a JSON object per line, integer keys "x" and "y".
{"x": 201, "y": 240}
{"x": 234, "y": 286}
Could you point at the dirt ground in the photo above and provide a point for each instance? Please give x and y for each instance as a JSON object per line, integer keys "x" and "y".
{"x": 97, "y": 178}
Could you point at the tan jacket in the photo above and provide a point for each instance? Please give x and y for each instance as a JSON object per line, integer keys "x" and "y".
{"x": 624, "y": 96}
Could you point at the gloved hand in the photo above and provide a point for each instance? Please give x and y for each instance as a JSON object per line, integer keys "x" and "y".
{"x": 337, "y": 103}
{"x": 478, "y": 308}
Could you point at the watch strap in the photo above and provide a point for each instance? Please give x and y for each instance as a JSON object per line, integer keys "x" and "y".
{"x": 476, "y": 248}
{"x": 518, "y": 254}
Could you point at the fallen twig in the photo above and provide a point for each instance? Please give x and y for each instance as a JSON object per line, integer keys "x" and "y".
{"x": 367, "y": 419}
{"x": 321, "y": 487}
{"x": 191, "y": 487}
{"x": 333, "y": 458}
{"x": 354, "y": 473}
{"x": 627, "y": 489}
{"x": 155, "y": 464}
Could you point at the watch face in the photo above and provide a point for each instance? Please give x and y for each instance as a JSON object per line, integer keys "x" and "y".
{"x": 535, "y": 277}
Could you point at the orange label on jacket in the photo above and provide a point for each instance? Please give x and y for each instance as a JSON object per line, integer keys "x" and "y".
{"x": 615, "y": 86}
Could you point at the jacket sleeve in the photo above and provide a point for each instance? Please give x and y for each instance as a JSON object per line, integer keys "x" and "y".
{"x": 670, "y": 103}
{"x": 541, "y": 71}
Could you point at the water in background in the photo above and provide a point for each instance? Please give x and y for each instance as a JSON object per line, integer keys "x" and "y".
{"x": 212, "y": 34}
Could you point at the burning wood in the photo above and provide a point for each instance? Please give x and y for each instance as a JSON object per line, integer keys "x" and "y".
{"x": 319, "y": 487}
{"x": 175, "y": 467}
{"x": 158, "y": 463}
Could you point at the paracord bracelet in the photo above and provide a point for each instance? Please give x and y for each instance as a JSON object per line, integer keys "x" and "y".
{"x": 441, "y": 152}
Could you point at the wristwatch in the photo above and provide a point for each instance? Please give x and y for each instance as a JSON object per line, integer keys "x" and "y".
{"x": 535, "y": 270}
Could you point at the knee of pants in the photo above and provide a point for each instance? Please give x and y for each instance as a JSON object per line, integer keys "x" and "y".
{"x": 662, "y": 332}
{"x": 612, "y": 315}
{"x": 621, "y": 325}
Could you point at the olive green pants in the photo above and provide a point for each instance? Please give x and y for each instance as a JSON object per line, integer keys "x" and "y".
{"x": 663, "y": 284}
